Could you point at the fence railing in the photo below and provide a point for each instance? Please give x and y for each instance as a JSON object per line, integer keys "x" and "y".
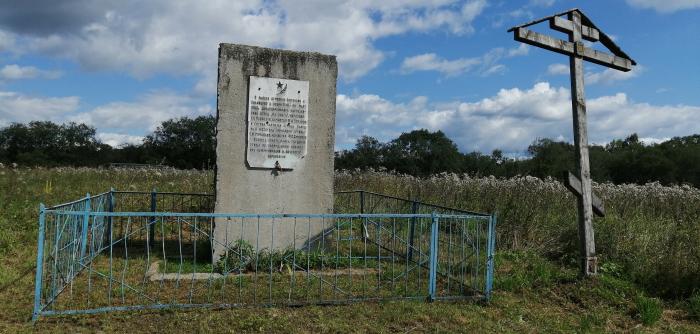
{"x": 94, "y": 258}
{"x": 127, "y": 165}
{"x": 362, "y": 201}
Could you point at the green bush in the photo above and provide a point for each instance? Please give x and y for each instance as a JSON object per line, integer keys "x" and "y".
{"x": 241, "y": 257}
{"x": 610, "y": 269}
{"x": 694, "y": 305}
{"x": 649, "y": 310}
{"x": 237, "y": 258}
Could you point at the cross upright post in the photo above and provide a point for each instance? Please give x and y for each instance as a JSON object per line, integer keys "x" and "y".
{"x": 578, "y": 27}
{"x": 578, "y": 107}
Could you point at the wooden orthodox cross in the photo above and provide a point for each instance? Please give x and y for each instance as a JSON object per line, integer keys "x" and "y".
{"x": 579, "y": 28}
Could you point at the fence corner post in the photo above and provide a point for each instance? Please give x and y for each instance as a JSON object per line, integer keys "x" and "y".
{"x": 39, "y": 263}
{"x": 86, "y": 221}
{"x": 491, "y": 249}
{"x": 432, "y": 281}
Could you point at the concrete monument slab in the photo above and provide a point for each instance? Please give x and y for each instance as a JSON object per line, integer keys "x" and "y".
{"x": 275, "y": 143}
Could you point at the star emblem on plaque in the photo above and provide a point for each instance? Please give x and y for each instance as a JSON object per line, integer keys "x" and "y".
{"x": 281, "y": 88}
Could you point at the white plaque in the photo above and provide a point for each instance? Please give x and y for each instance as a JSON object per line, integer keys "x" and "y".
{"x": 277, "y": 122}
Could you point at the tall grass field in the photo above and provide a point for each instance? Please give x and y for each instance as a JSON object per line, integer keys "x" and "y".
{"x": 648, "y": 246}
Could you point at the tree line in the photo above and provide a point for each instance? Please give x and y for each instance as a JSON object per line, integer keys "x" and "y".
{"x": 190, "y": 143}
{"x": 184, "y": 143}
{"x": 629, "y": 160}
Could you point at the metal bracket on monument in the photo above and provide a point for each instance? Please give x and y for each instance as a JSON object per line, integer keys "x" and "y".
{"x": 574, "y": 185}
{"x": 591, "y": 265}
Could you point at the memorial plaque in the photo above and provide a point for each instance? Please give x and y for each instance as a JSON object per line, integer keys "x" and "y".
{"x": 277, "y": 122}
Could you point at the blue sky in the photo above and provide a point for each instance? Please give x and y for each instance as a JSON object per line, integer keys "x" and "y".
{"x": 126, "y": 66}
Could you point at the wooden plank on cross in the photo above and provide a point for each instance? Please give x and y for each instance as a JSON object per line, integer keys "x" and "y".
{"x": 574, "y": 185}
{"x": 570, "y": 49}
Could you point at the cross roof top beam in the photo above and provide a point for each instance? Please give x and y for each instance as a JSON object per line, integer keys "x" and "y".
{"x": 587, "y": 33}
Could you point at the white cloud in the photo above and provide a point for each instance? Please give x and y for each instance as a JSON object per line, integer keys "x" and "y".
{"x": 606, "y": 76}
{"x": 523, "y": 12}
{"x": 144, "y": 114}
{"x": 487, "y": 63}
{"x": 649, "y": 141}
{"x": 511, "y": 119}
{"x": 542, "y": 3}
{"x": 375, "y": 116}
{"x": 558, "y": 69}
{"x": 7, "y": 41}
{"x": 610, "y": 75}
{"x": 431, "y": 62}
{"x": 495, "y": 69}
{"x": 16, "y": 72}
{"x": 17, "y": 107}
{"x": 665, "y": 6}
{"x": 182, "y": 37}
{"x": 521, "y": 50}
{"x": 118, "y": 139}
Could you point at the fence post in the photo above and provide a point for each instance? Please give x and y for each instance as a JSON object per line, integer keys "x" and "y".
{"x": 362, "y": 211}
{"x": 86, "y": 221}
{"x": 110, "y": 209}
{"x": 362, "y": 201}
{"x": 490, "y": 256}
{"x": 39, "y": 263}
{"x": 412, "y": 231}
{"x": 432, "y": 281}
{"x": 152, "y": 221}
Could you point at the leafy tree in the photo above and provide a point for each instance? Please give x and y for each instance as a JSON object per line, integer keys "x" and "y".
{"x": 184, "y": 142}
{"x": 49, "y": 144}
{"x": 550, "y": 158}
{"x": 421, "y": 152}
{"x": 368, "y": 153}
{"x": 479, "y": 164}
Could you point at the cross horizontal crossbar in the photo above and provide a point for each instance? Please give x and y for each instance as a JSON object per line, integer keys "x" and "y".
{"x": 570, "y": 49}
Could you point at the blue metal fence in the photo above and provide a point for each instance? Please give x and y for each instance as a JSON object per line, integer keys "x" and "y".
{"x": 118, "y": 251}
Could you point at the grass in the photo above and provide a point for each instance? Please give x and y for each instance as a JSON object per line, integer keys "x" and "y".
{"x": 649, "y": 310}
{"x": 561, "y": 304}
{"x": 647, "y": 246}
{"x": 189, "y": 267}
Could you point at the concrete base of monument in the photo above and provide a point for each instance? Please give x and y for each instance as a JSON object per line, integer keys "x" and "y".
{"x": 154, "y": 274}
{"x": 266, "y": 234}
